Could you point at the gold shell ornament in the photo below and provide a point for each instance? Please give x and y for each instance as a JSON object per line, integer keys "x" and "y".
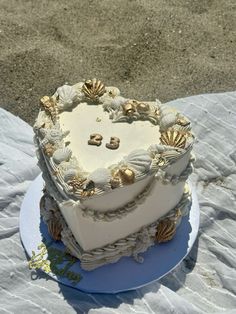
{"x": 165, "y": 230}
{"x": 124, "y": 176}
{"x": 127, "y": 176}
{"x": 54, "y": 228}
{"x": 93, "y": 89}
{"x": 76, "y": 183}
{"x": 53, "y": 223}
{"x": 173, "y": 138}
{"x": 49, "y": 105}
{"x": 88, "y": 193}
{"x": 129, "y": 107}
{"x": 89, "y": 189}
{"x": 142, "y": 107}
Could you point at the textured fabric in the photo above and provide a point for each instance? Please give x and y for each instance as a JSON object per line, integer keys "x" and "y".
{"x": 205, "y": 282}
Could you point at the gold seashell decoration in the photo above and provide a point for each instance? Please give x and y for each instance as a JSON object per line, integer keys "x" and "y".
{"x": 142, "y": 107}
{"x": 165, "y": 230}
{"x": 54, "y": 228}
{"x": 123, "y": 176}
{"x": 129, "y": 107}
{"x": 173, "y": 138}
{"x": 115, "y": 182}
{"x": 93, "y": 89}
{"x": 76, "y": 183}
{"x": 49, "y": 149}
{"x": 88, "y": 193}
{"x": 89, "y": 189}
{"x": 49, "y": 105}
{"x": 127, "y": 176}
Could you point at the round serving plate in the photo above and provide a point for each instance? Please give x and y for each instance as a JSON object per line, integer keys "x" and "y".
{"x": 126, "y": 274}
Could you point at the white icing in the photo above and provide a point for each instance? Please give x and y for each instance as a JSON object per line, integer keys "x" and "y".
{"x": 100, "y": 177}
{"x": 69, "y": 174}
{"x": 139, "y": 160}
{"x": 82, "y": 122}
{"x": 62, "y": 154}
{"x": 178, "y": 167}
{"x": 67, "y": 97}
{"x": 117, "y": 197}
{"x": 168, "y": 117}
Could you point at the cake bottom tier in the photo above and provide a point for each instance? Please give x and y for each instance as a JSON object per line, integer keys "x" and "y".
{"x": 161, "y": 230}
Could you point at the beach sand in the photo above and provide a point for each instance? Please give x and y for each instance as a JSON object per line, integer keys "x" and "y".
{"x": 149, "y": 49}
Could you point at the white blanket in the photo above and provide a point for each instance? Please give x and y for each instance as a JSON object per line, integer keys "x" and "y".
{"x": 205, "y": 282}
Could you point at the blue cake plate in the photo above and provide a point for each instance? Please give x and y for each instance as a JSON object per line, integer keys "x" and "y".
{"x": 124, "y": 275}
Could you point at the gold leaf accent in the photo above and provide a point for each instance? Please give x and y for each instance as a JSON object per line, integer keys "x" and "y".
{"x": 165, "y": 230}
{"x": 93, "y": 89}
{"x": 173, "y": 138}
{"x": 49, "y": 105}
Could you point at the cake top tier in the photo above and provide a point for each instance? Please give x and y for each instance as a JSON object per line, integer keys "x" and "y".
{"x": 94, "y": 140}
{"x": 113, "y": 140}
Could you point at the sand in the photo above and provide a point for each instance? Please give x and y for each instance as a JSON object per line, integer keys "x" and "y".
{"x": 149, "y": 49}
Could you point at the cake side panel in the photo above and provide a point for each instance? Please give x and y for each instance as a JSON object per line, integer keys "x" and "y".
{"x": 117, "y": 198}
{"x": 160, "y": 230}
{"x": 91, "y": 234}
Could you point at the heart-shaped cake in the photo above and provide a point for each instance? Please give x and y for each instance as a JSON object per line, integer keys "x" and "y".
{"x": 115, "y": 171}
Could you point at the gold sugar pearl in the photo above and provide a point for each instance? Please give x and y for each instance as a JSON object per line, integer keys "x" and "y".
{"x": 142, "y": 107}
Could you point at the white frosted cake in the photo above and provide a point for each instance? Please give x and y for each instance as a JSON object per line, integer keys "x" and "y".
{"x": 115, "y": 171}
